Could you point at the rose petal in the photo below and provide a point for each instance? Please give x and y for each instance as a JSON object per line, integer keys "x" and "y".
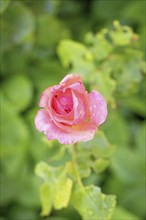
{"x": 42, "y": 120}
{"x": 46, "y": 102}
{"x": 59, "y": 114}
{"x": 70, "y": 79}
{"x": 57, "y": 107}
{"x": 82, "y": 132}
{"x": 79, "y": 108}
{"x": 78, "y": 86}
{"x": 47, "y": 94}
{"x": 64, "y": 120}
{"x": 64, "y": 117}
{"x": 98, "y": 107}
{"x": 44, "y": 97}
{"x": 65, "y": 100}
{"x": 80, "y": 99}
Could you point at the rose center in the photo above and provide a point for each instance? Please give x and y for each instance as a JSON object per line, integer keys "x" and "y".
{"x": 63, "y": 102}
{"x": 66, "y": 103}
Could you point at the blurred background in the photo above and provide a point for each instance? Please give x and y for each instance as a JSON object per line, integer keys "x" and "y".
{"x": 30, "y": 32}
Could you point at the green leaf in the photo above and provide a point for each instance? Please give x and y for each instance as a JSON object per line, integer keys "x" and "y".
{"x": 46, "y": 199}
{"x": 44, "y": 171}
{"x": 104, "y": 84}
{"x": 116, "y": 124}
{"x": 77, "y": 56}
{"x": 17, "y": 25}
{"x": 62, "y": 193}
{"x": 130, "y": 76}
{"x": 99, "y": 146}
{"x": 92, "y": 204}
{"x": 3, "y": 5}
{"x": 122, "y": 214}
{"x": 84, "y": 169}
{"x": 18, "y": 91}
{"x": 98, "y": 43}
{"x": 57, "y": 185}
{"x": 56, "y": 151}
{"x": 100, "y": 165}
{"x": 92, "y": 154}
{"x": 127, "y": 70}
{"x": 122, "y": 35}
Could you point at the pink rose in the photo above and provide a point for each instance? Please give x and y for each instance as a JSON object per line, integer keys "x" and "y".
{"x": 69, "y": 114}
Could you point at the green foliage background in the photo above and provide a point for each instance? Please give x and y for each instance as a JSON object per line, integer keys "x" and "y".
{"x": 41, "y": 42}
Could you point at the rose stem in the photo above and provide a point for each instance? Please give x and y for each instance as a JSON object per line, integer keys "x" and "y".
{"x": 75, "y": 166}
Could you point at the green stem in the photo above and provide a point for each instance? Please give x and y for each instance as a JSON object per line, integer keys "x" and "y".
{"x": 75, "y": 166}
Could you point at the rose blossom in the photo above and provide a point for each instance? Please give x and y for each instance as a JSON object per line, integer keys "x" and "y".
{"x": 68, "y": 113}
